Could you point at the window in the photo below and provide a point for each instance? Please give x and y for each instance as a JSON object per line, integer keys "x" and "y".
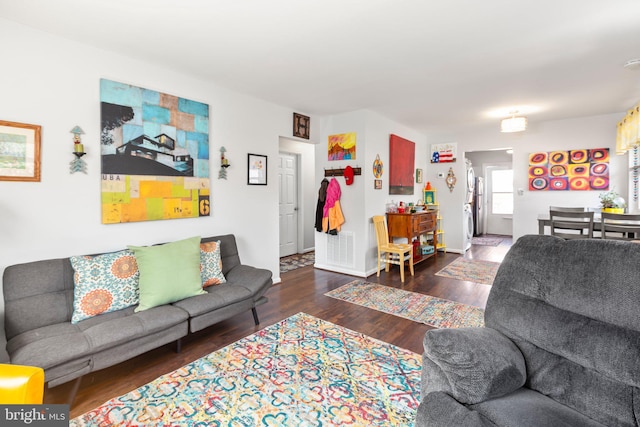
{"x": 502, "y": 191}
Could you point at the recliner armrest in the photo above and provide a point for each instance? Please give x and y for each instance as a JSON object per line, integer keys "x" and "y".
{"x": 471, "y": 364}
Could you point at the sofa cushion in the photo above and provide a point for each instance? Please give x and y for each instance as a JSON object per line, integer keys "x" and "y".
{"x": 104, "y": 283}
{"x": 49, "y": 346}
{"x": 214, "y": 298}
{"x": 255, "y": 280}
{"x": 527, "y": 408}
{"x": 121, "y": 327}
{"x": 211, "y": 264}
{"x": 168, "y": 272}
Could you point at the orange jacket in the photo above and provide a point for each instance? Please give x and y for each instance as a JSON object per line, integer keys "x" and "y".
{"x": 334, "y": 218}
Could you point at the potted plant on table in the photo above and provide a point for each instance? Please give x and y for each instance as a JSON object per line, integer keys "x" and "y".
{"x": 612, "y": 202}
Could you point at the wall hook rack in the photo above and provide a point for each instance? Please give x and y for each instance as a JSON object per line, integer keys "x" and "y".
{"x": 340, "y": 171}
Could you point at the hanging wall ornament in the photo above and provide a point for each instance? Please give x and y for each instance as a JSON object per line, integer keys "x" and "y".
{"x": 78, "y": 164}
{"x": 377, "y": 167}
{"x": 451, "y": 180}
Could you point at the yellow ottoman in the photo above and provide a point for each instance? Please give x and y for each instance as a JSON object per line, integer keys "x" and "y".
{"x": 21, "y": 384}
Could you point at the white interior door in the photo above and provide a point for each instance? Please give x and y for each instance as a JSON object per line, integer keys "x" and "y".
{"x": 288, "y": 180}
{"x": 498, "y": 199}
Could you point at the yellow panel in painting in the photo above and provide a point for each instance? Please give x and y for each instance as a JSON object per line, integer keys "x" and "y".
{"x": 172, "y": 208}
{"x": 178, "y": 190}
{"x": 135, "y": 210}
{"x": 188, "y": 210}
{"x": 155, "y": 208}
{"x": 111, "y": 213}
{"x": 155, "y": 189}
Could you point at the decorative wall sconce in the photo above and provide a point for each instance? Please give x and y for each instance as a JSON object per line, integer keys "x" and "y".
{"x": 451, "y": 180}
{"x": 78, "y": 164}
{"x": 224, "y": 164}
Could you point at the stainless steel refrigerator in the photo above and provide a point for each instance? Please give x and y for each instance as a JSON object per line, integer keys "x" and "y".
{"x": 478, "y": 207}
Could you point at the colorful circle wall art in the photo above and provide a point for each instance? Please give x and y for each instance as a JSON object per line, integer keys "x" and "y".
{"x": 573, "y": 170}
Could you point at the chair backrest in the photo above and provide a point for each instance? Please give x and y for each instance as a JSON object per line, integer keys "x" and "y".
{"x": 382, "y": 234}
{"x": 567, "y": 209}
{"x": 571, "y": 225}
{"x": 571, "y": 307}
{"x": 624, "y": 226}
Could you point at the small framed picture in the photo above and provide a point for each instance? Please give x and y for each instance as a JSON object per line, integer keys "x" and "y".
{"x": 419, "y": 176}
{"x": 19, "y": 152}
{"x": 377, "y": 184}
{"x": 301, "y": 125}
{"x": 257, "y": 169}
{"x": 429, "y": 197}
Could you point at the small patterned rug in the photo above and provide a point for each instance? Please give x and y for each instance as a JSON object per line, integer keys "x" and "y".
{"x": 486, "y": 241}
{"x": 437, "y": 312}
{"x": 471, "y": 270}
{"x": 302, "y": 371}
{"x": 292, "y": 262}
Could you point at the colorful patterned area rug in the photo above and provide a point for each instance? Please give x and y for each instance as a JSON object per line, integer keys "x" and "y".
{"x": 302, "y": 371}
{"x": 437, "y": 312}
{"x": 486, "y": 241}
{"x": 471, "y": 270}
{"x": 292, "y": 262}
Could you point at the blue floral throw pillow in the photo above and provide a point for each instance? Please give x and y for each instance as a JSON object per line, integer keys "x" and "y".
{"x": 104, "y": 283}
{"x": 211, "y": 264}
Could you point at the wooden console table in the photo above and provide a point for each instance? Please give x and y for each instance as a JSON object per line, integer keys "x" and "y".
{"x": 413, "y": 225}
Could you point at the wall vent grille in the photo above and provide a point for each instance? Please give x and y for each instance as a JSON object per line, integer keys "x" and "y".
{"x": 340, "y": 249}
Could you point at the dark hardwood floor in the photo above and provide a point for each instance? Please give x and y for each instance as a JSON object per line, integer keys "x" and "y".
{"x": 301, "y": 290}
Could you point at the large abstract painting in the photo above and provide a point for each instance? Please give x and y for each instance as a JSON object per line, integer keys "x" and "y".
{"x": 402, "y": 154}
{"x": 155, "y": 155}
{"x": 569, "y": 170}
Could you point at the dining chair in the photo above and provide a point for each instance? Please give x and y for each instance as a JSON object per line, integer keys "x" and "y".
{"x": 391, "y": 253}
{"x": 572, "y": 224}
{"x": 623, "y": 226}
{"x": 567, "y": 208}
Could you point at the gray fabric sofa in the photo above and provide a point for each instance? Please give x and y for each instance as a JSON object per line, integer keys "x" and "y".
{"x": 39, "y": 305}
{"x": 560, "y": 347}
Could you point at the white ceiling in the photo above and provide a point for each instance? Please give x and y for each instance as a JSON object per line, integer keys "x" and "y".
{"x": 431, "y": 65}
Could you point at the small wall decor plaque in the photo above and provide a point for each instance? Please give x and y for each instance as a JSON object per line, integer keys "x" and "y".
{"x": 301, "y": 126}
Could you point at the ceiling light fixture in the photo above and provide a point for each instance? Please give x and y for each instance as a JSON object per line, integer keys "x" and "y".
{"x": 513, "y": 123}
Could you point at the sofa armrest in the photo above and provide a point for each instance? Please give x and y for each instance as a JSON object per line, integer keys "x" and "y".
{"x": 471, "y": 364}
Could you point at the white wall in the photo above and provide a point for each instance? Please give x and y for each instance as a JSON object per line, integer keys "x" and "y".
{"x": 360, "y": 201}
{"x": 54, "y": 83}
{"x": 585, "y": 132}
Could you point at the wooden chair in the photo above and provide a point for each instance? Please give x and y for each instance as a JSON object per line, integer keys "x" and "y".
{"x": 391, "y": 253}
{"x": 624, "y": 226}
{"x": 571, "y": 225}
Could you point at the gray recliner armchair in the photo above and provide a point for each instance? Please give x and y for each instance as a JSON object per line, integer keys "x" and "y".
{"x": 560, "y": 346}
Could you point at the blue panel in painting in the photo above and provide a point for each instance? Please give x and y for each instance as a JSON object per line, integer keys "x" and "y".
{"x": 202, "y": 168}
{"x": 170, "y": 131}
{"x": 130, "y": 132}
{"x": 202, "y": 139}
{"x": 151, "y": 97}
{"x": 193, "y": 107}
{"x": 201, "y": 124}
{"x": 152, "y": 129}
{"x": 153, "y": 113}
{"x": 181, "y": 138}
{"x": 120, "y": 93}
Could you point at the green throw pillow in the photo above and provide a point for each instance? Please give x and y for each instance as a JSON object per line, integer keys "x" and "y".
{"x": 168, "y": 272}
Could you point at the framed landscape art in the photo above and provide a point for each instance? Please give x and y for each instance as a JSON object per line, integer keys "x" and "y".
{"x": 19, "y": 151}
